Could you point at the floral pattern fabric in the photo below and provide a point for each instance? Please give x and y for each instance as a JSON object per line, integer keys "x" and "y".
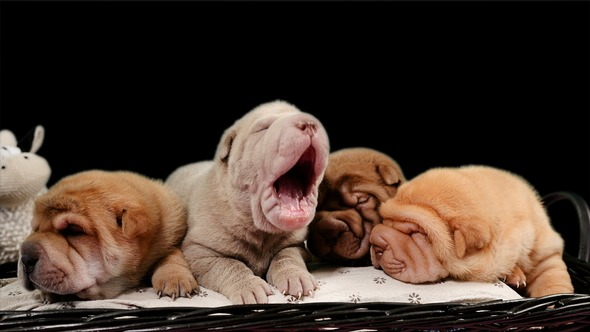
{"x": 337, "y": 284}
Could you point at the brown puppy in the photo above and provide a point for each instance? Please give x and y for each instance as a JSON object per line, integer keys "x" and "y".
{"x": 97, "y": 234}
{"x": 249, "y": 208}
{"x": 355, "y": 183}
{"x": 473, "y": 223}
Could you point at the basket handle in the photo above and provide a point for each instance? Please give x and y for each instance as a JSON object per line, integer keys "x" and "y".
{"x": 583, "y": 217}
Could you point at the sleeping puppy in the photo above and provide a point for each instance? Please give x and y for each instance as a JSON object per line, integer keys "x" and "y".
{"x": 472, "y": 223}
{"x": 249, "y": 208}
{"x": 97, "y": 234}
{"x": 355, "y": 183}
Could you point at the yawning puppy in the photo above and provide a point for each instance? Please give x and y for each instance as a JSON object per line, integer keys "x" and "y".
{"x": 97, "y": 234}
{"x": 472, "y": 223}
{"x": 355, "y": 183}
{"x": 249, "y": 208}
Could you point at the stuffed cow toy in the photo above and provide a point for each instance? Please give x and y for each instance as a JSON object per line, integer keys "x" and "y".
{"x": 23, "y": 177}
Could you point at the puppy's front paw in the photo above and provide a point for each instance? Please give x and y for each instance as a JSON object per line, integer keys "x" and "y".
{"x": 174, "y": 282}
{"x": 48, "y": 298}
{"x": 250, "y": 290}
{"x": 173, "y": 277}
{"x": 516, "y": 278}
{"x": 294, "y": 281}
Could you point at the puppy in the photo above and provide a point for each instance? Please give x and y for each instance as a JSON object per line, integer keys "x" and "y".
{"x": 249, "y": 208}
{"x": 355, "y": 183}
{"x": 97, "y": 234}
{"x": 473, "y": 223}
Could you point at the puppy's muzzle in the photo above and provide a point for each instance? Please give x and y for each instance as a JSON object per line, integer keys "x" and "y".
{"x": 308, "y": 127}
{"x": 338, "y": 235}
{"x": 29, "y": 257}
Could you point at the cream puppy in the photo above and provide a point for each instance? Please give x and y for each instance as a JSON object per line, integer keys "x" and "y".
{"x": 248, "y": 209}
{"x": 473, "y": 223}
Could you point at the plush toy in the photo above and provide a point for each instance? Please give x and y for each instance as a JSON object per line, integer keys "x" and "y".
{"x": 23, "y": 177}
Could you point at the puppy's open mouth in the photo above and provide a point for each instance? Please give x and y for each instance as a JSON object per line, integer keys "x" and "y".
{"x": 295, "y": 185}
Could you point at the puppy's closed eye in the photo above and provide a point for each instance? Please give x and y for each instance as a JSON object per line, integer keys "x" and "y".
{"x": 361, "y": 199}
{"x": 73, "y": 230}
{"x": 262, "y": 126}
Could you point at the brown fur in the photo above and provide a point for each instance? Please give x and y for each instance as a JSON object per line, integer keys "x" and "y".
{"x": 249, "y": 208}
{"x": 355, "y": 183}
{"x": 97, "y": 234}
{"x": 473, "y": 223}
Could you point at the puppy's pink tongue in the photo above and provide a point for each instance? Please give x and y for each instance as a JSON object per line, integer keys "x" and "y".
{"x": 294, "y": 209}
{"x": 290, "y": 192}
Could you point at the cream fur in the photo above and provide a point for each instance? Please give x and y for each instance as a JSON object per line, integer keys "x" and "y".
{"x": 23, "y": 178}
{"x": 248, "y": 211}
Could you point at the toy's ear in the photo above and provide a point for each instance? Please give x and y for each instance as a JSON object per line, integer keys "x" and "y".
{"x": 32, "y": 140}
{"x": 38, "y": 138}
{"x": 7, "y": 138}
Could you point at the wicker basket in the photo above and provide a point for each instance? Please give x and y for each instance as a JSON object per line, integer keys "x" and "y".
{"x": 561, "y": 312}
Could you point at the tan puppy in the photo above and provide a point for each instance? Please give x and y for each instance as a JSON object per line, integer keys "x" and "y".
{"x": 97, "y": 234}
{"x": 472, "y": 223}
{"x": 355, "y": 183}
{"x": 249, "y": 208}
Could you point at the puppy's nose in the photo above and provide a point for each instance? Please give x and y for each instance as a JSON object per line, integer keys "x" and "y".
{"x": 308, "y": 127}
{"x": 29, "y": 263}
{"x": 29, "y": 256}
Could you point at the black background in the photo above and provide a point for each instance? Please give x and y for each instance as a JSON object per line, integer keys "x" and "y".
{"x": 150, "y": 86}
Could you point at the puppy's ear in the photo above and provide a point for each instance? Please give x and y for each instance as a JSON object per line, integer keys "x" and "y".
{"x": 389, "y": 174}
{"x": 133, "y": 221}
{"x": 225, "y": 145}
{"x": 460, "y": 243}
{"x": 470, "y": 238}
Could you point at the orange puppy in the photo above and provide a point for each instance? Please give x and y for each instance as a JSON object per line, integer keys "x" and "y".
{"x": 97, "y": 234}
{"x": 472, "y": 223}
{"x": 355, "y": 183}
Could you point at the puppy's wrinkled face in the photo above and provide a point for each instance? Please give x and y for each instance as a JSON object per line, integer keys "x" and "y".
{"x": 82, "y": 243}
{"x": 350, "y": 195}
{"x": 275, "y": 158}
{"x": 404, "y": 252}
